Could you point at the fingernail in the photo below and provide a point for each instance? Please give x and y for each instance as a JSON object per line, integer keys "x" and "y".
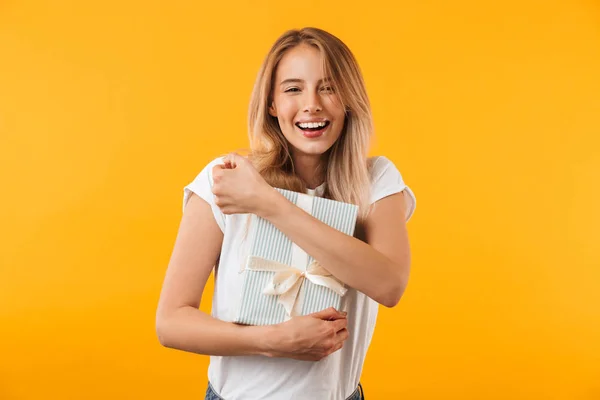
{"x": 344, "y": 313}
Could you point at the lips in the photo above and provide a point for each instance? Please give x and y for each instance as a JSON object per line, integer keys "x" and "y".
{"x": 313, "y": 132}
{"x": 312, "y": 126}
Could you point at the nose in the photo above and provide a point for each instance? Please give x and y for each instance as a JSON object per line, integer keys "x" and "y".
{"x": 312, "y": 103}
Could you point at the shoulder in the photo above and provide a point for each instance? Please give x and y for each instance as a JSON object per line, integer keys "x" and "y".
{"x": 384, "y": 172}
{"x": 378, "y": 165}
{"x": 204, "y": 172}
{"x": 201, "y": 185}
{"x": 386, "y": 180}
{"x": 215, "y": 161}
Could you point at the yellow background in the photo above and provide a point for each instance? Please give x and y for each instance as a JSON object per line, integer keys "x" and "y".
{"x": 490, "y": 111}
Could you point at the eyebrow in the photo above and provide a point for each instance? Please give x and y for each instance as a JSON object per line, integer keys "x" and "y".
{"x": 296, "y": 80}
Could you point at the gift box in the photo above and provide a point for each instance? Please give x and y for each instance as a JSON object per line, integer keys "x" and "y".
{"x": 280, "y": 280}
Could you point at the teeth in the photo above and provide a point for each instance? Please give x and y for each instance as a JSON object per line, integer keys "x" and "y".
{"x": 312, "y": 124}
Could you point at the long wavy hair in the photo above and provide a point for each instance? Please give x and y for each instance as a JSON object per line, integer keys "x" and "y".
{"x": 345, "y": 165}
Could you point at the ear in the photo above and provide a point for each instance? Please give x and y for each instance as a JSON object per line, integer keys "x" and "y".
{"x": 272, "y": 110}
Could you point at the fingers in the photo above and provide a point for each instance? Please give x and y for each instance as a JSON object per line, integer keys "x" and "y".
{"x": 230, "y": 164}
{"x": 339, "y": 324}
{"x": 339, "y": 315}
{"x": 329, "y": 314}
{"x": 232, "y": 160}
{"x": 324, "y": 314}
{"x": 341, "y": 337}
{"x": 343, "y": 334}
{"x": 229, "y": 161}
{"x": 217, "y": 171}
{"x": 321, "y": 354}
{"x": 337, "y": 347}
{"x": 316, "y": 335}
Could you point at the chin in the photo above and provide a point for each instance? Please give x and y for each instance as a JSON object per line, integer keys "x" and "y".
{"x": 311, "y": 147}
{"x": 312, "y": 150}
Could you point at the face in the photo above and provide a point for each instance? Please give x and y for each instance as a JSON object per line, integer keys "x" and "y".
{"x": 310, "y": 114}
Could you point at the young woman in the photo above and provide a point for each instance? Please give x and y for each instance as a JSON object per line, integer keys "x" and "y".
{"x": 310, "y": 126}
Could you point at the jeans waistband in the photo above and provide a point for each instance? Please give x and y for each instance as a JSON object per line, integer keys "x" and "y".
{"x": 211, "y": 394}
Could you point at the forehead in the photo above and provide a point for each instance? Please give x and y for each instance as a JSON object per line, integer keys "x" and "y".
{"x": 301, "y": 62}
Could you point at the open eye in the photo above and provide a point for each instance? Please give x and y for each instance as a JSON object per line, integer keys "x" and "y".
{"x": 327, "y": 89}
{"x": 292, "y": 89}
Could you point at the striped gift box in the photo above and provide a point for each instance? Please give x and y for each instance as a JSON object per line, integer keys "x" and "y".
{"x": 280, "y": 280}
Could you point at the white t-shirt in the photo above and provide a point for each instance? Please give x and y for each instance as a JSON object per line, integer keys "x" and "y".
{"x": 258, "y": 377}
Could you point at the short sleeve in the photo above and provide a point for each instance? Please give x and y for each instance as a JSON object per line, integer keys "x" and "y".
{"x": 387, "y": 180}
{"x": 202, "y": 186}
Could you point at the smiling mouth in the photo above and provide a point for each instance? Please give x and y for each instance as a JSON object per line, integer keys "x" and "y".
{"x": 312, "y": 126}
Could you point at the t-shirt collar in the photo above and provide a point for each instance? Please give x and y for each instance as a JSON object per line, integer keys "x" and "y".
{"x": 318, "y": 191}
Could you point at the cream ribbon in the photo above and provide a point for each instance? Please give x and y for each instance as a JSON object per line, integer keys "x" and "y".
{"x": 287, "y": 280}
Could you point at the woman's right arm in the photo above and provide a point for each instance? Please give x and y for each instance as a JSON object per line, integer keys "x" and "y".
{"x": 181, "y": 325}
{"x": 179, "y": 322}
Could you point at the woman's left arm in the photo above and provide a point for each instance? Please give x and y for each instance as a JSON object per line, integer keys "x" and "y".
{"x": 379, "y": 268}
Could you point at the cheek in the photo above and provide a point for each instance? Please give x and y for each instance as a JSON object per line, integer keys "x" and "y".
{"x": 286, "y": 109}
{"x": 334, "y": 107}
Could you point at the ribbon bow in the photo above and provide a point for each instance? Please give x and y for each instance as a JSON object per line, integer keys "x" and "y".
{"x": 287, "y": 280}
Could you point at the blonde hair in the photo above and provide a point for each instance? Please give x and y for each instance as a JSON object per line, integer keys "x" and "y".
{"x": 346, "y": 172}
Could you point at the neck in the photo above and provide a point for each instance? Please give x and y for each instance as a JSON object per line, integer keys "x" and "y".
{"x": 307, "y": 168}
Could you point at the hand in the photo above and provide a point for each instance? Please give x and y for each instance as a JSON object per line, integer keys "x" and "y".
{"x": 239, "y": 188}
{"x": 310, "y": 337}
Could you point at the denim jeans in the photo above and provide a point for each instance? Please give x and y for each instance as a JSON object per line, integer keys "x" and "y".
{"x": 358, "y": 394}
